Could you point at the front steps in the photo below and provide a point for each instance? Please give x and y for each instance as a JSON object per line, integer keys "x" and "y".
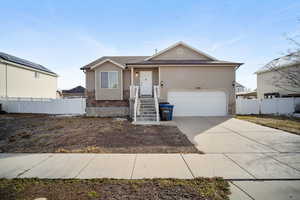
{"x": 147, "y": 111}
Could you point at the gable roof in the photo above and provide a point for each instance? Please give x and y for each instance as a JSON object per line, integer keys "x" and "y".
{"x": 122, "y": 60}
{"x": 284, "y": 61}
{"x": 183, "y": 44}
{"x": 107, "y": 60}
{"x": 24, "y": 62}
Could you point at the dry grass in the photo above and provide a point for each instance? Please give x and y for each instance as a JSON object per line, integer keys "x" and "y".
{"x": 284, "y": 123}
{"x": 92, "y": 189}
{"x": 52, "y": 134}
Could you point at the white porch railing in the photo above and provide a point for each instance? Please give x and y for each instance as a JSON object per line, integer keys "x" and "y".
{"x": 134, "y": 94}
{"x": 156, "y": 90}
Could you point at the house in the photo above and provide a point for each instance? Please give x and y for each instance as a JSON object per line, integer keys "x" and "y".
{"x": 239, "y": 88}
{"x": 280, "y": 77}
{"x": 76, "y": 92}
{"x": 22, "y": 78}
{"x": 247, "y": 95}
{"x": 196, "y": 83}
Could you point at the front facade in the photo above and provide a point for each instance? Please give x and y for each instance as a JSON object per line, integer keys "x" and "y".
{"x": 24, "y": 79}
{"x": 196, "y": 83}
{"x": 279, "y": 78}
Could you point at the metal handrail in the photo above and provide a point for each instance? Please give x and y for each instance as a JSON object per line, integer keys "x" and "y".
{"x": 156, "y": 96}
{"x": 136, "y": 99}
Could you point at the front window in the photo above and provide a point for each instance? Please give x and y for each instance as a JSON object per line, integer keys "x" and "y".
{"x": 109, "y": 79}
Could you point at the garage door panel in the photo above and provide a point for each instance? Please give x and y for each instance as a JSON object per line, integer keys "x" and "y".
{"x": 198, "y": 103}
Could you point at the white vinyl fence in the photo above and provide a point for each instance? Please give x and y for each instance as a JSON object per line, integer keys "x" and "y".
{"x": 278, "y": 106}
{"x": 44, "y": 106}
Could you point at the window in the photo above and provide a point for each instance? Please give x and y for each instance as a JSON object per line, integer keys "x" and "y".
{"x": 109, "y": 79}
{"x": 36, "y": 75}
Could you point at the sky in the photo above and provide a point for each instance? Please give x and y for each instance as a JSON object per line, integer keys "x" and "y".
{"x": 65, "y": 35}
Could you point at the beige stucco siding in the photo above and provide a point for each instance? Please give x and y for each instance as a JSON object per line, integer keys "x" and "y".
{"x": 22, "y": 83}
{"x": 2, "y": 80}
{"x": 108, "y": 93}
{"x": 180, "y": 53}
{"x": 217, "y": 78}
{"x": 266, "y": 83}
{"x": 90, "y": 80}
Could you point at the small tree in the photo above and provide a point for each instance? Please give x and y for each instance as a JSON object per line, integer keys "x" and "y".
{"x": 287, "y": 77}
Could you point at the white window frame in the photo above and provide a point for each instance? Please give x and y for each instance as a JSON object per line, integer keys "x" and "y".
{"x": 109, "y": 80}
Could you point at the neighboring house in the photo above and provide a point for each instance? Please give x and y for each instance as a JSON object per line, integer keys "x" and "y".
{"x": 247, "y": 95}
{"x": 196, "y": 83}
{"x": 280, "y": 77}
{"x": 78, "y": 91}
{"x": 22, "y": 78}
{"x": 239, "y": 88}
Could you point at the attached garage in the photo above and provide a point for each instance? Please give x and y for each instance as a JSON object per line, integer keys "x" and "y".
{"x": 198, "y": 103}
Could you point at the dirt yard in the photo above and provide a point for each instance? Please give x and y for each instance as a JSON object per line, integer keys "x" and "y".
{"x": 284, "y": 123}
{"x": 152, "y": 189}
{"x": 48, "y": 134}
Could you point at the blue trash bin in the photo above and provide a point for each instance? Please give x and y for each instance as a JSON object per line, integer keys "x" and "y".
{"x": 166, "y": 107}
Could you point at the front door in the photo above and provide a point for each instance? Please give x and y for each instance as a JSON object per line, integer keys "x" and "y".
{"x": 146, "y": 82}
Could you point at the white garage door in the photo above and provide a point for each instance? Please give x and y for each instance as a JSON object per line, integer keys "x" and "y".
{"x": 198, "y": 103}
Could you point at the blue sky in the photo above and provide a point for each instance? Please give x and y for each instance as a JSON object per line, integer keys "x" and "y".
{"x": 65, "y": 35}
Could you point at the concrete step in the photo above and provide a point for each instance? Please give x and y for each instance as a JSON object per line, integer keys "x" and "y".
{"x": 146, "y": 118}
{"x": 147, "y": 115}
{"x": 152, "y": 112}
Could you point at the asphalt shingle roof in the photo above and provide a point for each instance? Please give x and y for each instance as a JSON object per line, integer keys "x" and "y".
{"x": 24, "y": 62}
{"x": 119, "y": 59}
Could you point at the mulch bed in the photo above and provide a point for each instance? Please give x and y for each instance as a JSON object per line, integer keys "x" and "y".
{"x": 59, "y": 189}
{"x": 28, "y": 133}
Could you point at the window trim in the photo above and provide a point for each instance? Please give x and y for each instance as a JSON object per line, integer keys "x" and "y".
{"x": 100, "y": 75}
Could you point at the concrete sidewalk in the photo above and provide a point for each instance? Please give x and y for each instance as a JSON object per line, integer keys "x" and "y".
{"x": 243, "y": 171}
{"x": 137, "y": 166}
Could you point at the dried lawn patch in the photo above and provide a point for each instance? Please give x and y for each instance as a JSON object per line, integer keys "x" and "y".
{"x": 284, "y": 123}
{"x": 60, "y": 189}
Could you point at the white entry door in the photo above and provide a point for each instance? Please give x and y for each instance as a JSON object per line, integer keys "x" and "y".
{"x": 198, "y": 103}
{"x": 146, "y": 82}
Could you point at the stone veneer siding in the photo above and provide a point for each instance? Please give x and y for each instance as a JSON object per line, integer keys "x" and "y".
{"x": 106, "y": 108}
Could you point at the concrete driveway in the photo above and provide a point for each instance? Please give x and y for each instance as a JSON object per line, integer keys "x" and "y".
{"x": 269, "y": 156}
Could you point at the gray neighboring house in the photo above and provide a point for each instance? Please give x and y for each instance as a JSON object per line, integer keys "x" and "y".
{"x": 274, "y": 79}
{"x": 195, "y": 82}
{"x": 239, "y": 88}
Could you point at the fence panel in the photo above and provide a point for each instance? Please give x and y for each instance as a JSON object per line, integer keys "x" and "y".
{"x": 281, "y": 106}
{"x": 247, "y": 106}
{"x": 44, "y": 106}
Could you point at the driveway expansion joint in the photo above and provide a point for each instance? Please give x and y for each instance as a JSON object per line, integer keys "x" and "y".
{"x": 239, "y": 166}
{"x": 253, "y": 140}
{"x": 241, "y": 189}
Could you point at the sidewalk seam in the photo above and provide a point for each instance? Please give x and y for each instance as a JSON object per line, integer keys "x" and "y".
{"x": 246, "y": 193}
{"x": 83, "y": 168}
{"x": 23, "y": 172}
{"x": 133, "y": 167}
{"x": 187, "y": 166}
{"x": 239, "y": 166}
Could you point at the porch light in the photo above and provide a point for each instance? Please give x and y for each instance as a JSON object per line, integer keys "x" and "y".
{"x": 136, "y": 74}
